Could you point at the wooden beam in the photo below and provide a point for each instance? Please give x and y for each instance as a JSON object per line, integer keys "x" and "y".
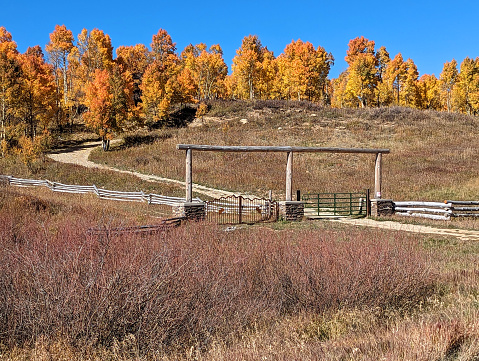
{"x": 289, "y": 167}
{"x": 228, "y": 148}
{"x": 189, "y": 176}
{"x": 289, "y": 177}
{"x": 377, "y": 176}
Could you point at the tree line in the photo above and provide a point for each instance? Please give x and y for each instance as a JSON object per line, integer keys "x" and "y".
{"x": 80, "y": 78}
{"x": 374, "y": 79}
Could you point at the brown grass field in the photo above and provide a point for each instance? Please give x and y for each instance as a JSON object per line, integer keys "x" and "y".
{"x": 433, "y": 155}
{"x": 283, "y": 291}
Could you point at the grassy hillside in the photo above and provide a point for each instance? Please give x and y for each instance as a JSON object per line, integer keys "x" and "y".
{"x": 433, "y": 155}
{"x": 309, "y": 290}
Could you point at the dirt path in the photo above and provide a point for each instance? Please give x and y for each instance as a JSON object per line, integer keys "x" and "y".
{"x": 465, "y": 235}
{"x": 80, "y": 156}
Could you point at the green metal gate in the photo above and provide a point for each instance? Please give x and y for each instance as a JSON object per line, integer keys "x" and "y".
{"x": 353, "y": 204}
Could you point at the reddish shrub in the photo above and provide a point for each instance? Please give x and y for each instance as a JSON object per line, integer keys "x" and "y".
{"x": 191, "y": 284}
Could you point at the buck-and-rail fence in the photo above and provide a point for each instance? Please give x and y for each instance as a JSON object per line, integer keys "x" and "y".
{"x": 437, "y": 210}
{"x": 100, "y": 192}
{"x": 263, "y": 208}
{"x": 231, "y": 209}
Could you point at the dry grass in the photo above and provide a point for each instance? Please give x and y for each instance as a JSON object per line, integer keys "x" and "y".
{"x": 432, "y": 154}
{"x": 304, "y": 291}
{"x": 194, "y": 290}
{"x": 73, "y": 174}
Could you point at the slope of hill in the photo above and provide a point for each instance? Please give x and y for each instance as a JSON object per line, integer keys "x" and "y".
{"x": 309, "y": 291}
{"x": 433, "y": 154}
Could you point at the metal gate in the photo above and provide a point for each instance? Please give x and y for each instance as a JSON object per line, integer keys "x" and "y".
{"x": 239, "y": 209}
{"x": 353, "y": 204}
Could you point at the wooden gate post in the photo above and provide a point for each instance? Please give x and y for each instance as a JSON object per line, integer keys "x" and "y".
{"x": 188, "y": 178}
{"x": 289, "y": 177}
{"x": 378, "y": 176}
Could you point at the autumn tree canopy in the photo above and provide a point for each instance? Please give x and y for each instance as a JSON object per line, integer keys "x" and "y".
{"x": 58, "y": 49}
{"x": 82, "y": 80}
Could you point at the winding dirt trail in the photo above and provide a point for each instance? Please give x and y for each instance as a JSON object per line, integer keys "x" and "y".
{"x": 80, "y": 155}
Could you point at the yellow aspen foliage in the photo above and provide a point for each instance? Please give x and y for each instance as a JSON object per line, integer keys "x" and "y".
{"x": 362, "y": 79}
{"x": 162, "y": 48}
{"x": 135, "y": 59}
{"x": 410, "y": 94}
{"x": 160, "y": 87}
{"x": 59, "y": 48}
{"x": 207, "y": 68}
{"x": 158, "y": 90}
{"x": 466, "y": 89}
{"x": 93, "y": 52}
{"x": 231, "y": 87}
{"x": 357, "y": 86}
{"x": 394, "y": 78}
{"x": 448, "y": 79}
{"x": 383, "y": 96}
{"x": 269, "y": 72}
{"x": 247, "y": 67}
{"x": 430, "y": 91}
{"x": 281, "y": 81}
{"x": 201, "y": 110}
{"x": 340, "y": 98}
{"x": 305, "y": 70}
{"x": 188, "y": 88}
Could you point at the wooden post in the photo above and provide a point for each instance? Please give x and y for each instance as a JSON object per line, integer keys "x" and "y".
{"x": 188, "y": 178}
{"x": 289, "y": 177}
{"x": 377, "y": 176}
{"x": 368, "y": 202}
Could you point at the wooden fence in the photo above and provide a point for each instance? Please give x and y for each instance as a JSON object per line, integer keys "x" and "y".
{"x": 437, "y": 210}
{"x": 165, "y": 225}
{"x": 101, "y": 193}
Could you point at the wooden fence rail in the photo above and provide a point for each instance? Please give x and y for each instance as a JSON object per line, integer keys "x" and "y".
{"x": 165, "y": 225}
{"x": 101, "y": 193}
{"x": 437, "y": 210}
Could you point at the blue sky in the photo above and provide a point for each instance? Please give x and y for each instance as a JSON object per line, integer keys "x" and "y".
{"x": 429, "y": 32}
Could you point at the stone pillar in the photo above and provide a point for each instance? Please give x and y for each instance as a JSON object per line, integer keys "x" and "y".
{"x": 191, "y": 210}
{"x": 382, "y": 207}
{"x": 291, "y": 210}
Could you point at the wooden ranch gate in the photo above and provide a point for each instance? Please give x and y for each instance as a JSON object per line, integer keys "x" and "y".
{"x": 289, "y": 161}
{"x": 238, "y": 209}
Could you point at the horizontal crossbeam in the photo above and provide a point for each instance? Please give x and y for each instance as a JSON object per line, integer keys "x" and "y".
{"x": 229, "y": 148}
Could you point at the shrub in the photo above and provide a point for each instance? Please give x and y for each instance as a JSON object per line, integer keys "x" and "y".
{"x": 197, "y": 283}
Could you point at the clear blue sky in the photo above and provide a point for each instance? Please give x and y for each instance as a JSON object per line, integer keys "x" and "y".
{"x": 429, "y": 32}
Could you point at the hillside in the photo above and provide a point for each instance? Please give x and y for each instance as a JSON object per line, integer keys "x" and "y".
{"x": 282, "y": 291}
{"x": 432, "y": 153}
